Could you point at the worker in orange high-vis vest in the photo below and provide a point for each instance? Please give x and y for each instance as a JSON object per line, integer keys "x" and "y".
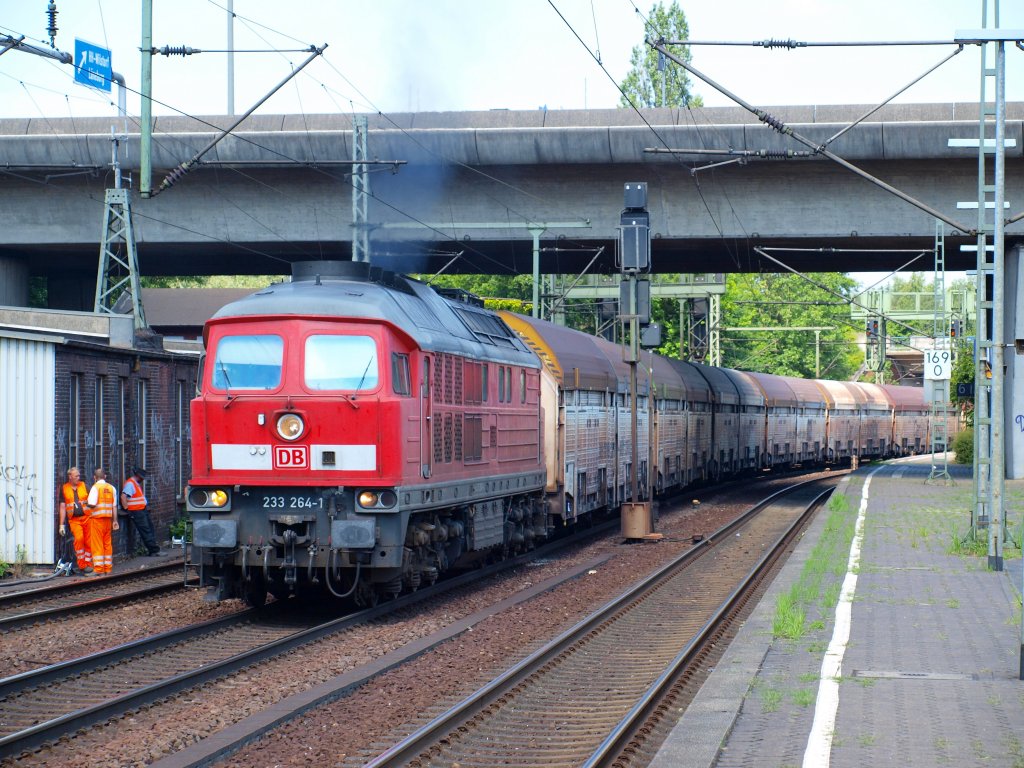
{"x": 136, "y": 509}
{"x": 73, "y": 515}
{"x": 102, "y": 503}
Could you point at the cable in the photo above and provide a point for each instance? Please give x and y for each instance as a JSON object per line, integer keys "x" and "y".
{"x": 646, "y": 122}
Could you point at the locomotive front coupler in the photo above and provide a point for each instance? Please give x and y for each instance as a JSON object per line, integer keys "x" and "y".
{"x": 285, "y": 525}
{"x": 290, "y": 564}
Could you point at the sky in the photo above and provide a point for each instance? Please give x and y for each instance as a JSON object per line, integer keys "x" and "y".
{"x": 437, "y": 55}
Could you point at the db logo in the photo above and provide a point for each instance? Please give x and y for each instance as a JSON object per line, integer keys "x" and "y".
{"x": 291, "y": 457}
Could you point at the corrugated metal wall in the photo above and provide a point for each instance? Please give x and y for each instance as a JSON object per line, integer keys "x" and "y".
{"x": 27, "y": 490}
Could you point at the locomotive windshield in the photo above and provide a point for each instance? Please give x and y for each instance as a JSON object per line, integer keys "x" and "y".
{"x": 248, "y": 362}
{"x": 341, "y": 362}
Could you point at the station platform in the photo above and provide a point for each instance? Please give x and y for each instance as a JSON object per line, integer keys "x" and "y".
{"x": 916, "y": 664}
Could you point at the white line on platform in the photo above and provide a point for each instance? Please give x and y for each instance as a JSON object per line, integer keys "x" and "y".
{"x": 819, "y": 743}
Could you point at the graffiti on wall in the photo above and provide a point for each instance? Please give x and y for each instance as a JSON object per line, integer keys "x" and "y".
{"x": 20, "y": 495}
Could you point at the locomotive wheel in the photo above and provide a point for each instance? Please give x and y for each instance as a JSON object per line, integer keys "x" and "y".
{"x": 254, "y": 591}
{"x": 279, "y": 591}
{"x": 366, "y": 595}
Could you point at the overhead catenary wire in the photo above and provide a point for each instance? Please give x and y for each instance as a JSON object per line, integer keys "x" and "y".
{"x": 243, "y": 138}
{"x": 280, "y": 237}
{"x": 780, "y": 127}
{"x": 369, "y": 104}
{"x": 632, "y": 104}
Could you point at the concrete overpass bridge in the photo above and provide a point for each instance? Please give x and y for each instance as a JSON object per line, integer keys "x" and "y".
{"x": 489, "y": 185}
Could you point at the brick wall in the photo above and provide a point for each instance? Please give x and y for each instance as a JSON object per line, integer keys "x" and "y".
{"x": 131, "y": 410}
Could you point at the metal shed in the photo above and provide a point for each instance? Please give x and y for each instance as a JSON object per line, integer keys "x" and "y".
{"x": 27, "y": 439}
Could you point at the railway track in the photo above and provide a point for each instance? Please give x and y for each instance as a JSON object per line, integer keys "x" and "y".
{"x": 60, "y": 600}
{"x": 42, "y": 705}
{"x": 591, "y": 695}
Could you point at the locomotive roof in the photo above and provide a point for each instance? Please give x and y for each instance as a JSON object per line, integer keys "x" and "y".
{"x": 435, "y": 323}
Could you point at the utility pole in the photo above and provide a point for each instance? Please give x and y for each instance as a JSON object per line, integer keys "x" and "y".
{"x": 360, "y": 191}
{"x": 939, "y": 361}
{"x": 231, "y": 57}
{"x": 146, "y": 118}
{"x": 117, "y": 277}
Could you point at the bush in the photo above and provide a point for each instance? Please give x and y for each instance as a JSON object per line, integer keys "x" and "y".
{"x": 963, "y": 446}
{"x": 181, "y": 527}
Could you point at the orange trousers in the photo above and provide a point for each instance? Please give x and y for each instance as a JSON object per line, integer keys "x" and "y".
{"x": 81, "y": 530}
{"x": 101, "y": 543}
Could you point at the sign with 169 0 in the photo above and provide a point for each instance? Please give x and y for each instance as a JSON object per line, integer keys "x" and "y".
{"x": 938, "y": 364}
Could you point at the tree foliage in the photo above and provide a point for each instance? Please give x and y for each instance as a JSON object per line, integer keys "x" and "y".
{"x": 210, "y": 281}
{"x": 486, "y": 286}
{"x": 644, "y": 85}
{"x": 781, "y": 302}
{"x": 963, "y": 373}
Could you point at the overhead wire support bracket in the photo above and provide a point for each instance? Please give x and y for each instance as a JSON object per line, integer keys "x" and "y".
{"x": 763, "y": 251}
{"x": 760, "y": 154}
{"x": 184, "y": 50}
{"x": 740, "y": 156}
{"x": 171, "y": 178}
{"x": 661, "y": 44}
{"x": 8, "y": 43}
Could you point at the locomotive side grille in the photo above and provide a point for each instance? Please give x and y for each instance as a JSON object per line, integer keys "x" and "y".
{"x": 448, "y": 375}
{"x": 438, "y": 441}
{"x": 448, "y": 438}
{"x": 457, "y": 385}
{"x": 439, "y": 378}
{"x": 458, "y": 437}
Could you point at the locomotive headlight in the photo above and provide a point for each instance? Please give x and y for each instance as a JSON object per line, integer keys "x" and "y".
{"x": 209, "y": 498}
{"x": 373, "y": 499}
{"x": 290, "y": 426}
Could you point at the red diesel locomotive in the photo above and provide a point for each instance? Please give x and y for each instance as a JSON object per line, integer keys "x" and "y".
{"x": 358, "y": 432}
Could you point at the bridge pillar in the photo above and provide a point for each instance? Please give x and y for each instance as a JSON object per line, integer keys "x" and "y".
{"x": 13, "y": 281}
{"x": 75, "y": 291}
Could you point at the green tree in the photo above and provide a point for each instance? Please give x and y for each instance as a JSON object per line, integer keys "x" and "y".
{"x": 211, "y": 281}
{"x": 645, "y": 85}
{"x": 963, "y": 373}
{"x": 785, "y": 301}
{"x": 485, "y": 286}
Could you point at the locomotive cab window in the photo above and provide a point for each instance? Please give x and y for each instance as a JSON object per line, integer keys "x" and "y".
{"x": 341, "y": 362}
{"x": 400, "y": 374}
{"x": 248, "y": 362}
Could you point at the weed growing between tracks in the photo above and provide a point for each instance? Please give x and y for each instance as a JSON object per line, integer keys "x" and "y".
{"x": 821, "y": 578}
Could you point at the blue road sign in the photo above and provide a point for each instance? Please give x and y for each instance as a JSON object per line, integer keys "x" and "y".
{"x": 92, "y": 65}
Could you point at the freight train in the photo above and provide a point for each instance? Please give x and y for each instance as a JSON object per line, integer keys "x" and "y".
{"x": 360, "y": 433}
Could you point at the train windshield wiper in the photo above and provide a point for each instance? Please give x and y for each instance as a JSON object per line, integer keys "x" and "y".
{"x": 366, "y": 370}
{"x": 227, "y": 380}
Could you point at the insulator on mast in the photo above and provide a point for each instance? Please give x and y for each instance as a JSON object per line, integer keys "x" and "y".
{"x": 51, "y": 29}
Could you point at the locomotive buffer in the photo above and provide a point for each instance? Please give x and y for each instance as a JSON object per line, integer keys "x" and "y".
{"x": 636, "y": 515}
